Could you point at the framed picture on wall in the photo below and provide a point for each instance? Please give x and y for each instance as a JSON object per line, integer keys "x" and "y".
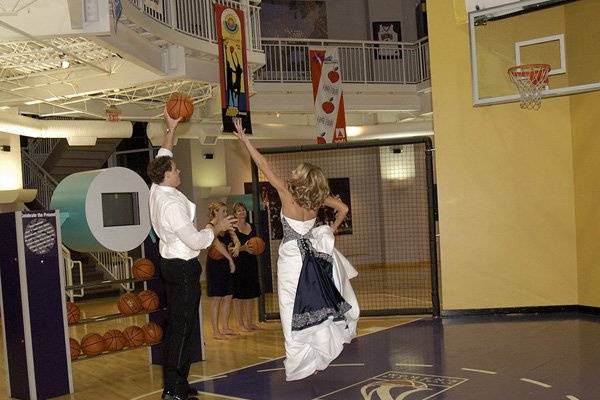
{"x": 388, "y": 31}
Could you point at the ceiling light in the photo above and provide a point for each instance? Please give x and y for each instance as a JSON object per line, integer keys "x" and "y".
{"x": 353, "y": 131}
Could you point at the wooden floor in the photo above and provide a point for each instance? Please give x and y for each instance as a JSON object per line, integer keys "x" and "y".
{"x": 128, "y": 374}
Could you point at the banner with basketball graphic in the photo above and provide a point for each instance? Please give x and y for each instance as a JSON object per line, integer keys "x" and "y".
{"x": 330, "y": 120}
{"x": 233, "y": 67}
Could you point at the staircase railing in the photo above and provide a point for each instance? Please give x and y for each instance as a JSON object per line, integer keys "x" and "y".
{"x": 70, "y": 266}
{"x": 287, "y": 60}
{"x": 35, "y": 176}
{"x": 117, "y": 265}
{"x": 197, "y": 18}
{"x": 40, "y": 148}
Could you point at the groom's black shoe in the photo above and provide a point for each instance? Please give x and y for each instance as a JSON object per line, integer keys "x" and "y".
{"x": 176, "y": 397}
{"x": 191, "y": 391}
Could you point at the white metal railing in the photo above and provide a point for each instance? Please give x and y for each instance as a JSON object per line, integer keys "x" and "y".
{"x": 197, "y": 18}
{"x": 70, "y": 266}
{"x": 40, "y": 148}
{"x": 35, "y": 176}
{"x": 117, "y": 265}
{"x": 360, "y": 61}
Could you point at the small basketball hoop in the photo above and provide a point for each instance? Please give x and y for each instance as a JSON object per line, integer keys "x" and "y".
{"x": 531, "y": 80}
{"x": 113, "y": 114}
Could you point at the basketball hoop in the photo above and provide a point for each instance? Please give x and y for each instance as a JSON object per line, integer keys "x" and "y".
{"x": 113, "y": 114}
{"x": 531, "y": 80}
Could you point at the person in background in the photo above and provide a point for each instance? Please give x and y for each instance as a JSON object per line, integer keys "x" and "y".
{"x": 219, "y": 275}
{"x": 246, "y": 286}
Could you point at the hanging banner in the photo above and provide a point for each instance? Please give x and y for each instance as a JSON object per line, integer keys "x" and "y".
{"x": 233, "y": 66}
{"x": 330, "y": 123}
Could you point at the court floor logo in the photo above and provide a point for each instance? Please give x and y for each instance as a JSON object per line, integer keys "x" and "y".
{"x": 397, "y": 385}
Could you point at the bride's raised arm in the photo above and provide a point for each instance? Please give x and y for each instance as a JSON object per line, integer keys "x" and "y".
{"x": 259, "y": 159}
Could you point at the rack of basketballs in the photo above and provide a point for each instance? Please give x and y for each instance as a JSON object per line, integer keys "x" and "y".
{"x": 129, "y": 304}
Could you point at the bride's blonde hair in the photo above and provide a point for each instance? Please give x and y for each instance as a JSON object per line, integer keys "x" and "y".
{"x": 308, "y": 186}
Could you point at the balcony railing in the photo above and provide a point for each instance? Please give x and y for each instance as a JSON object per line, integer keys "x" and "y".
{"x": 360, "y": 61}
{"x": 197, "y": 18}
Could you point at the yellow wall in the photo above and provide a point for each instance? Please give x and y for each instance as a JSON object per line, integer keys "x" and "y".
{"x": 581, "y": 42}
{"x": 586, "y": 147}
{"x": 583, "y": 51}
{"x": 505, "y": 187}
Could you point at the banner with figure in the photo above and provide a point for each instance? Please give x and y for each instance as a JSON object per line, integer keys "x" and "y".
{"x": 233, "y": 67}
{"x": 330, "y": 123}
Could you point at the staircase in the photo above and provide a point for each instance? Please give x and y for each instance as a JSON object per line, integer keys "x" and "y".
{"x": 65, "y": 160}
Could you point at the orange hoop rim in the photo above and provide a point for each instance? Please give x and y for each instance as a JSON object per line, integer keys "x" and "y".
{"x": 531, "y": 71}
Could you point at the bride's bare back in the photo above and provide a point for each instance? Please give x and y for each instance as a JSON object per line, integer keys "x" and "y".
{"x": 290, "y": 209}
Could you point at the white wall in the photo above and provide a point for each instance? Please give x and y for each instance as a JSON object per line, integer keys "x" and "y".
{"x": 11, "y": 176}
{"x": 351, "y": 19}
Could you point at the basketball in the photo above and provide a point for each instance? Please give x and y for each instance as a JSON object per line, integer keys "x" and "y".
{"x": 149, "y": 300}
{"x": 92, "y": 344}
{"x": 256, "y": 245}
{"x": 114, "y": 340}
{"x": 143, "y": 268}
{"x": 135, "y": 336}
{"x": 129, "y": 303}
{"x": 73, "y": 313}
{"x": 180, "y": 105}
{"x": 214, "y": 253}
{"x": 152, "y": 332}
{"x": 75, "y": 348}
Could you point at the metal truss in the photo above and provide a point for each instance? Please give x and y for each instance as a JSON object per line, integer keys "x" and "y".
{"x": 149, "y": 97}
{"x": 30, "y": 58}
{"x": 12, "y": 7}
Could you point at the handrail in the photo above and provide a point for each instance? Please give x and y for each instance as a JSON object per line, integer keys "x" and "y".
{"x": 344, "y": 41}
{"x": 196, "y": 18}
{"x": 35, "y": 176}
{"x": 69, "y": 266}
{"x": 41, "y": 148}
{"x": 116, "y": 264}
{"x": 367, "y": 61}
{"x": 40, "y": 169}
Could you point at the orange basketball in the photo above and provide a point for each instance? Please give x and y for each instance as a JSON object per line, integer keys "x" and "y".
{"x": 114, "y": 340}
{"x": 214, "y": 253}
{"x": 180, "y": 105}
{"x": 256, "y": 245}
{"x": 129, "y": 303}
{"x": 135, "y": 336}
{"x": 149, "y": 300}
{"x": 92, "y": 344}
{"x": 152, "y": 332}
{"x": 142, "y": 268}
{"x": 73, "y": 313}
{"x": 75, "y": 348}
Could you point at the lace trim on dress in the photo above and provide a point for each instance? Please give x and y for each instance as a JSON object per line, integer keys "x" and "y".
{"x": 308, "y": 319}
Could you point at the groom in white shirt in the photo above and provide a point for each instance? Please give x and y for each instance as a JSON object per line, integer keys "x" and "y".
{"x": 172, "y": 216}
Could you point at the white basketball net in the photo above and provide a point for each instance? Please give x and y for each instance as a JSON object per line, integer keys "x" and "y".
{"x": 531, "y": 80}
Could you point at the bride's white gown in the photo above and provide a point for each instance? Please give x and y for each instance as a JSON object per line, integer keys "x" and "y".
{"x": 313, "y": 348}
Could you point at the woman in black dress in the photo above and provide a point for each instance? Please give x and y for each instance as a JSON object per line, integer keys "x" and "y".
{"x": 219, "y": 276}
{"x": 246, "y": 286}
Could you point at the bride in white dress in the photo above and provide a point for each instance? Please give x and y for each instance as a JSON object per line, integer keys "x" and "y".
{"x": 317, "y": 306}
